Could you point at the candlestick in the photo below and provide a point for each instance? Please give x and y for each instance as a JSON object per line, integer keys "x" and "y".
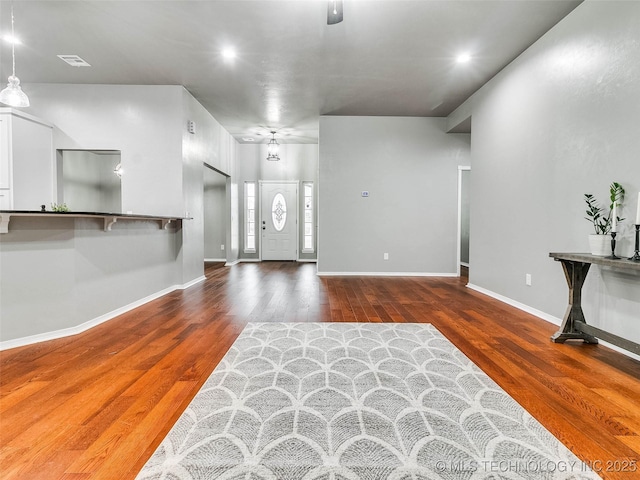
{"x": 613, "y": 247}
{"x": 638, "y": 211}
{"x": 614, "y": 218}
{"x": 636, "y": 255}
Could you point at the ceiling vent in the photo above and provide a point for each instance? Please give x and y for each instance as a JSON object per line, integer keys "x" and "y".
{"x": 74, "y": 60}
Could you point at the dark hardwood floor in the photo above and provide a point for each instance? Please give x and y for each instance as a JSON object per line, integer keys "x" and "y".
{"x": 96, "y": 405}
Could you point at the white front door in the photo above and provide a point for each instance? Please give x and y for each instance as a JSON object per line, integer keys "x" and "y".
{"x": 279, "y": 221}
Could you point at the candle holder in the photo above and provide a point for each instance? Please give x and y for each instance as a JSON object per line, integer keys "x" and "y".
{"x": 636, "y": 255}
{"x": 613, "y": 247}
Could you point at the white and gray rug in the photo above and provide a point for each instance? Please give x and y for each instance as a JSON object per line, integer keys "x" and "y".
{"x": 355, "y": 401}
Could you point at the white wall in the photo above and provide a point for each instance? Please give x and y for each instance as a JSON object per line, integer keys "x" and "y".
{"x": 558, "y": 122}
{"x": 409, "y": 166}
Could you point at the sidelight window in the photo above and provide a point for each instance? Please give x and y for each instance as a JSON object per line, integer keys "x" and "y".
{"x": 307, "y": 242}
{"x": 250, "y": 214}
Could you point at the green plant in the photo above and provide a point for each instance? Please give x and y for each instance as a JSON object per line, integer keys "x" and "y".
{"x": 599, "y": 216}
{"x": 59, "y": 208}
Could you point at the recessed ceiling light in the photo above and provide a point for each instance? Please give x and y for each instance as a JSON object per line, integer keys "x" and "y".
{"x": 248, "y": 139}
{"x": 74, "y": 60}
{"x": 229, "y": 53}
{"x": 463, "y": 58}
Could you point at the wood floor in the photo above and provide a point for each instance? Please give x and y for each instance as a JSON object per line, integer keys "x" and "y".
{"x": 96, "y": 405}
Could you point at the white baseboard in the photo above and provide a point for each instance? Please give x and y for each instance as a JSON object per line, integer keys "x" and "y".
{"x": 516, "y": 304}
{"x": 83, "y": 327}
{"x": 464, "y": 264}
{"x": 385, "y": 274}
{"x": 308, "y": 260}
{"x": 215, "y": 259}
{"x": 241, "y": 260}
{"x": 544, "y": 316}
{"x": 190, "y": 283}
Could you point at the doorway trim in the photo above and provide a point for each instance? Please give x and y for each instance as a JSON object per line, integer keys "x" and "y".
{"x": 259, "y": 224}
{"x": 461, "y": 168}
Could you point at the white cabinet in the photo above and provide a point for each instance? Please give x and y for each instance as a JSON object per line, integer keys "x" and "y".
{"x": 26, "y": 161}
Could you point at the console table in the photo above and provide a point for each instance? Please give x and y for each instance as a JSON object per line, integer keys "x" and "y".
{"x": 574, "y": 326}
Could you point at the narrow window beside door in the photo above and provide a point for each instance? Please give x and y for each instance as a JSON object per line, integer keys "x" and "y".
{"x": 250, "y": 213}
{"x": 307, "y": 245}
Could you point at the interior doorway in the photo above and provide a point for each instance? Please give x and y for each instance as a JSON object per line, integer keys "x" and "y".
{"x": 278, "y": 220}
{"x": 215, "y": 215}
{"x": 464, "y": 217}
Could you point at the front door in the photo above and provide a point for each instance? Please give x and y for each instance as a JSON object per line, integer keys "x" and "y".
{"x": 279, "y": 220}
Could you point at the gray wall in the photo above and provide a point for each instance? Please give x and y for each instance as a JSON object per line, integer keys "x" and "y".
{"x": 214, "y": 146}
{"x": 558, "y": 122}
{"x": 215, "y": 215}
{"x": 75, "y": 265}
{"x": 60, "y": 273}
{"x": 143, "y": 122}
{"x": 465, "y": 218}
{"x": 297, "y": 162}
{"x": 409, "y": 166}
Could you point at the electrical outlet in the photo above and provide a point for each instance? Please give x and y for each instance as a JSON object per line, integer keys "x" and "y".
{"x": 221, "y": 247}
{"x": 527, "y": 279}
{"x": 386, "y": 256}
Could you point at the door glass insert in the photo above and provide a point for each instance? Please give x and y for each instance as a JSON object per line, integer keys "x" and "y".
{"x": 279, "y": 212}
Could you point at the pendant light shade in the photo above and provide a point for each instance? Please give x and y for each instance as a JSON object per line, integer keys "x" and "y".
{"x": 13, "y": 94}
{"x": 272, "y": 149}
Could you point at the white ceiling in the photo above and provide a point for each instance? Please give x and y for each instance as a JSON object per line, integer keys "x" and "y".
{"x": 393, "y": 57}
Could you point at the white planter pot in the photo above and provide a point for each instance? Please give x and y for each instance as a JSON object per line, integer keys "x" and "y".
{"x": 600, "y": 245}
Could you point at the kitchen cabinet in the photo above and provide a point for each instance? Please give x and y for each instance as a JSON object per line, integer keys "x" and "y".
{"x": 27, "y": 161}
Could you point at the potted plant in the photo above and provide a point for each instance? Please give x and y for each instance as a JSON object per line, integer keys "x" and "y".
{"x": 601, "y": 217}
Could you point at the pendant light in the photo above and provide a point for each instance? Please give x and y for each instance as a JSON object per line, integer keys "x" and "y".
{"x": 13, "y": 94}
{"x": 272, "y": 149}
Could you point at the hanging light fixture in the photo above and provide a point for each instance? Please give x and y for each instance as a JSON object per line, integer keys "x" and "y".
{"x": 272, "y": 149}
{"x": 13, "y": 94}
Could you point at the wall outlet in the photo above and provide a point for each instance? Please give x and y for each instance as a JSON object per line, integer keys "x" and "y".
{"x": 221, "y": 247}
{"x": 527, "y": 279}
{"x": 386, "y": 256}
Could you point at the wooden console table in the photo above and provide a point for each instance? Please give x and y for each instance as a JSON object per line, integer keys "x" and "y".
{"x": 574, "y": 326}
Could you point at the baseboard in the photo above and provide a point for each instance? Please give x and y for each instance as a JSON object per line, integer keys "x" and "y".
{"x": 464, "y": 264}
{"x": 241, "y": 260}
{"x": 215, "y": 259}
{"x": 543, "y": 316}
{"x": 307, "y": 260}
{"x": 190, "y": 283}
{"x": 83, "y": 327}
{"x": 385, "y": 274}
{"x": 516, "y": 304}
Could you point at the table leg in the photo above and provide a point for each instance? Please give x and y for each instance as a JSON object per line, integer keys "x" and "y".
{"x": 575, "y": 273}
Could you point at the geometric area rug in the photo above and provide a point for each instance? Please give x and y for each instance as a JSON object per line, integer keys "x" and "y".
{"x": 350, "y": 401}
